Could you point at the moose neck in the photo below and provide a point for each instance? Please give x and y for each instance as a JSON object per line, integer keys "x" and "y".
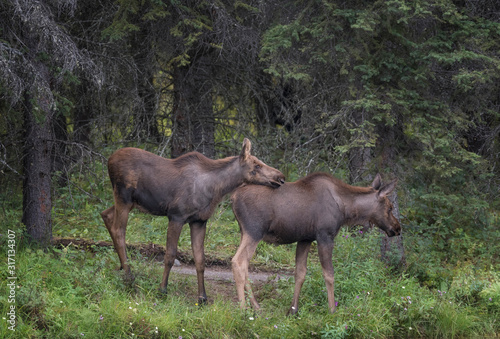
{"x": 227, "y": 176}
{"x": 356, "y": 208}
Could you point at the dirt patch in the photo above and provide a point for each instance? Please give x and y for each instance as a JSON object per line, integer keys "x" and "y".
{"x": 218, "y": 273}
{"x": 152, "y": 251}
{"x": 225, "y": 274}
{"x": 216, "y": 268}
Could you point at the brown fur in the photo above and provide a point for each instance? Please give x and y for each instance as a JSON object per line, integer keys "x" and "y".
{"x": 186, "y": 190}
{"x": 310, "y": 209}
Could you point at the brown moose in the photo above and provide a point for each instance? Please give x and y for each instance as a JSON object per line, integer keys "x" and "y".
{"x": 186, "y": 190}
{"x": 312, "y": 208}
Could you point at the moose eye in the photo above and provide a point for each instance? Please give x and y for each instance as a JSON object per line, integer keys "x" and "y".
{"x": 257, "y": 167}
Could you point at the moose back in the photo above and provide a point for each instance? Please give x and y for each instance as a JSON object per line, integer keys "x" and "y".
{"x": 186, "y": 190}
{"x": 312, "y": 208}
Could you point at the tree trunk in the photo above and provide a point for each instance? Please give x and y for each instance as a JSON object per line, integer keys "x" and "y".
{"x": 144, "y": 112}
{"x": 83, "y": 114}
{"x": 61, "y": 160}
{"x": 39, "y": 129}
{"x": 360, "y": 158}
{"x": 392, "y": 249}
{"x": 359, "y": 164}
{"x": 193, "y": 118}
{"x": 180, "y": 115}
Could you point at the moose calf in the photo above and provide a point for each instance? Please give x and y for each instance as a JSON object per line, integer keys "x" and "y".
{"x": 186, "y": 190}
{"x": 312, "y": 208}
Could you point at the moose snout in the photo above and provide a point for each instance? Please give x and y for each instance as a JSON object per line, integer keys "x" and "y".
{"x": 278, "y": 181}
{"x": 391, "y": 233}
{"x": 394, "y": 232}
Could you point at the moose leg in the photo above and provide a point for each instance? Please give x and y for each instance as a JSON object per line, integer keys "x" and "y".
{"x": 198, "y": 230}
{"x": 115, "y": 218}
{"x": 300, "y": 273}
{"x": 173, "y": 233}
{"x": 240, "y": 263}
{"x": 325, "y": 249}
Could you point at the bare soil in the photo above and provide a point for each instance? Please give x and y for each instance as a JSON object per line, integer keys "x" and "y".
{"x": 218, "y": 273}
{"x": 218, "y": 270}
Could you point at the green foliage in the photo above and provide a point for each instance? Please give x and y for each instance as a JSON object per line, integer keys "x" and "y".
{"x": 456, "y": 224}
{"x": 130, "y": 15}
{"x": 491, "y": 297}
{"x": 337, "y": 331}
{"x": 423, "y": 69}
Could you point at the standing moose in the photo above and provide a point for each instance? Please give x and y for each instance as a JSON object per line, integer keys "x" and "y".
{"x": 186, "y": 190}
{"x": 312, "y": 208}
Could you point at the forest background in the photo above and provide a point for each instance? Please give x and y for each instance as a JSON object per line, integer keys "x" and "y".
{"x": 410, "y": 89}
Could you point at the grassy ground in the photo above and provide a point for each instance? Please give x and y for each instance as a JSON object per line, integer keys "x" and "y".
{"x": 68, "y": 292}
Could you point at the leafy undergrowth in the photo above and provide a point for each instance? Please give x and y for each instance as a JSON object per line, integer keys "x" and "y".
{"x": 69, "y": 292}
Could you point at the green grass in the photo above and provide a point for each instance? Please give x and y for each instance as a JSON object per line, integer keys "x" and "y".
{"x": 71, "y": 293}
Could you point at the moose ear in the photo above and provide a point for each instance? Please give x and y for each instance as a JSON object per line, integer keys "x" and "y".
{"x": 377, "y": 182}
{"x": 245, "y": 151}
{"x": 388, "y": 188}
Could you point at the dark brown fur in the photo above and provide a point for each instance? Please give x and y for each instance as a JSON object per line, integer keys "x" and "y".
{"x": 186, "y": 190}
{"x": 310, "y": 209}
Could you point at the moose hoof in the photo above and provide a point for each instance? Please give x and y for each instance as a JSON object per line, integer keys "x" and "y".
{"x": 292, "y": 311}
{"x": 202, "y": 301}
